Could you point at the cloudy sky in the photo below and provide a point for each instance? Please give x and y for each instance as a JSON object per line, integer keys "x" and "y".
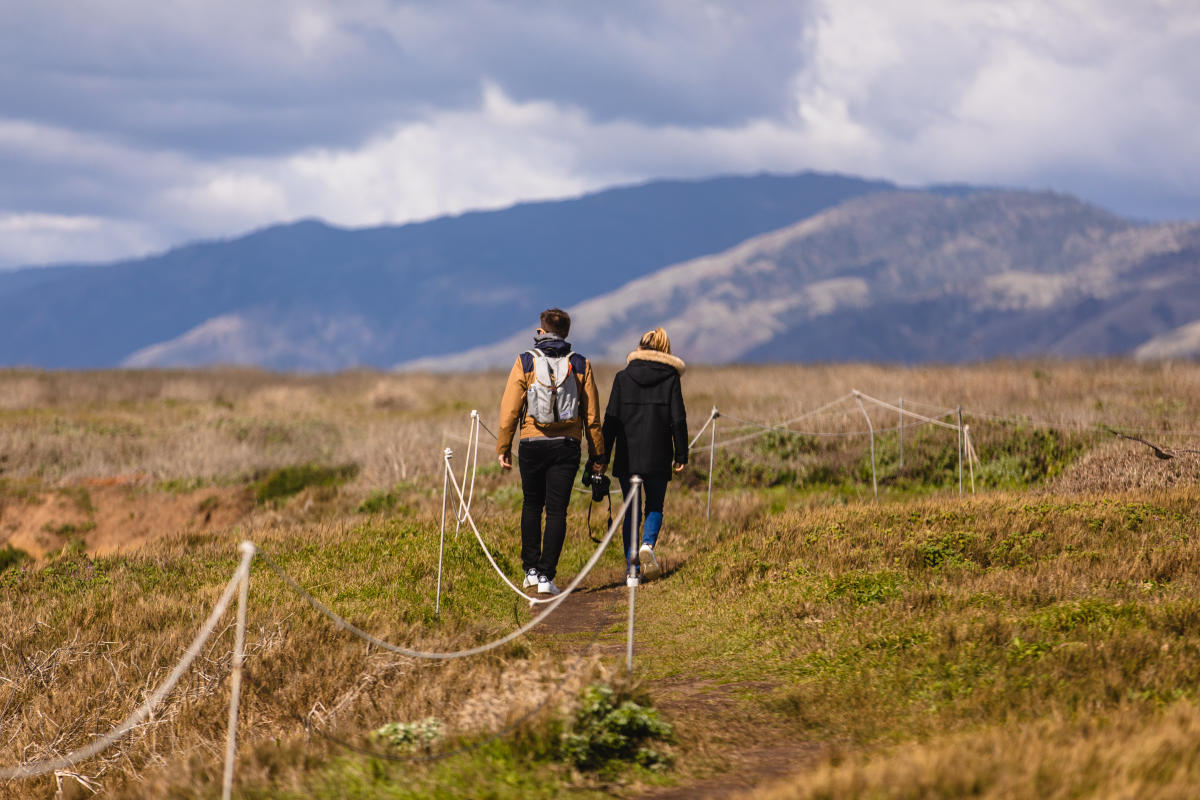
{"x": 127, "y": 126}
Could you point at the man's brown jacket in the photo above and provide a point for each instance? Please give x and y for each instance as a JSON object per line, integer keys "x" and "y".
{"x": 512, "y": 403}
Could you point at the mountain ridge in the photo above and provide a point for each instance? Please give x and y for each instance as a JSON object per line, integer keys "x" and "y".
{"x": 908, "y": 276}
{"x": 480, "y": 269}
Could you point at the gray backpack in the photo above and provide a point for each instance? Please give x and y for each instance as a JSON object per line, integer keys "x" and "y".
{"x": 553, "y": 394}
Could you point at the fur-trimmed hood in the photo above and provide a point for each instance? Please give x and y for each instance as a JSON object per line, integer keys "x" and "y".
{"x": 657, "y": 357}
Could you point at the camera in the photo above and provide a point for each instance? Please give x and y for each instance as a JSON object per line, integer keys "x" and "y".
{"x": 597, "y": 483}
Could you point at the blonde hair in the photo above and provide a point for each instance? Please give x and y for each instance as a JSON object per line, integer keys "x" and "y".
{"x": 656, "y": 339}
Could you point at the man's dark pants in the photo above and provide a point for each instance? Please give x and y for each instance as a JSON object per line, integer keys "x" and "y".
{"x": 548, "y": 468}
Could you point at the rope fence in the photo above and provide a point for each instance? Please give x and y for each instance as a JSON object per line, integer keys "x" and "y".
{"x": 142, "y": 712}
{"x": 238, "y": 585}
{"x": 463, "y": 495}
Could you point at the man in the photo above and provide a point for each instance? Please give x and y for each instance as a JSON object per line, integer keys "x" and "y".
{"x": 551, "y": 396}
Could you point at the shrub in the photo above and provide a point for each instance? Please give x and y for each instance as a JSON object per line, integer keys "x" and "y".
{"x": 608, "y": 728}
{"x": 410, "y": 736}
{"x": 11, "y": 557}
{"x": 287, "y": 481}
{"x": 379, "y": 501}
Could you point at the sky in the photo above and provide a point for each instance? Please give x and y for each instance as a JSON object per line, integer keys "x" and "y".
{"x": 130, "y": 126}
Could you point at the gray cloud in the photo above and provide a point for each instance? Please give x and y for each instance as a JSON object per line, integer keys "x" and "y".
{"x": 265, "y": 78}
{"x": 128, "y": 126}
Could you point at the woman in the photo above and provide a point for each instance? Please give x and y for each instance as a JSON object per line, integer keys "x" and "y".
{"x": 645, "y": 430}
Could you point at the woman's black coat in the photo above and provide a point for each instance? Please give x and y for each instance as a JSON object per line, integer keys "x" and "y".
{"x": 645, "y": 424}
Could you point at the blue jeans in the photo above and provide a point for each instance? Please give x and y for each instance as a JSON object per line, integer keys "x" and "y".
{"x": 654, "y": 493}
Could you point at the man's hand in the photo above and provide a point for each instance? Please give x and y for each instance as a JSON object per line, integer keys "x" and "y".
{"x": 505, "y": 461}
{"x": 680, "y": 467}
{"x": 598, "y": 467}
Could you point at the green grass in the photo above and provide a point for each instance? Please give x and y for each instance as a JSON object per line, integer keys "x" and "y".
{"x": 11, "y": 557}
{"x": 919, "y": 646}
{"x": 284, "y": 482}
{"x": 883, "y": 623}
{"x": 1012, "y": 456}
{"x": 863, "y": 624}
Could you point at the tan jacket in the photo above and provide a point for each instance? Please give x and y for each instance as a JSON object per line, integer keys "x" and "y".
{"x": 512, "y": 403}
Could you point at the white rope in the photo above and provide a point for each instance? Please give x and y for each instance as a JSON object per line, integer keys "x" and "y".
{"x": 707, "y": 422}
{"x": 816, "y": 411}
{"x": 942, "y": 410}
{"x": 906, "y": 412}
{"x": 871, "y": 426}
{"x": 765, "y": 429}
{"x": 782, "y": 426}
{"x": 146, "y": 708}
{"x": 486, "y": 550}
{"x": 342, "y": 623}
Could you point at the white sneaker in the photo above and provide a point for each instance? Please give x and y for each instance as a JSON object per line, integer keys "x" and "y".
{"x": 546, "y": 586}
{"x": 531, "y": 579}
{"x": 650, "y": 567}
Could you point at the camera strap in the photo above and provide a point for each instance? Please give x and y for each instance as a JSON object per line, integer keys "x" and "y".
{"x": 591, "y": 503}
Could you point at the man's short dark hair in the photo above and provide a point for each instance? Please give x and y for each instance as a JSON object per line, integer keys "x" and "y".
{"x": 555, "y": 320}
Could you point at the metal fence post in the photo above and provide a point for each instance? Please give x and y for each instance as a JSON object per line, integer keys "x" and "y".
{"x": 235, "y": 684}
{"x": 960, "y": 451}
{"x": 712, "y": 455}
{"x": 871, "y": 428}
{"x": 635, "y": 486}
{"x": 447, "y": 454}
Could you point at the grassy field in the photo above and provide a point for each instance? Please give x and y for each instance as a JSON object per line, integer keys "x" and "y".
{"x": 1038, "y": 638}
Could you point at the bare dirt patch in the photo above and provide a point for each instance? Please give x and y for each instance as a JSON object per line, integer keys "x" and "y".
{"x": 111, "y": 515}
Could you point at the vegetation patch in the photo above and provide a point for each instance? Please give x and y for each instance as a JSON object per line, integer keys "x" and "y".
{"x": 69, "y": 528}
{"x": 383, "y": 501}
{"x": 611, "y": 726}
{"x": 284, "y": 482}
{"x": 12, "y": 557}
{"x": 409, "y": 736}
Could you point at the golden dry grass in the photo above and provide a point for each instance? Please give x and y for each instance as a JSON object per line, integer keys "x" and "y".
{"x": 849, "y": 620}
{"x": 221, "y": 425}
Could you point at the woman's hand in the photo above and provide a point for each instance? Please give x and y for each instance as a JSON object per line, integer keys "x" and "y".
{"x": 680, "y": 467}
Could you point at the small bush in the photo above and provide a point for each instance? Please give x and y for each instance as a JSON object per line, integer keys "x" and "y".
{"x": 287, "y": 481}
{"x": 410, "y": 736}
{"x": 862, "y": 587}
{"x": 379, "y": 502}
{"x": 609, "y": 728}
{"x": 11, "y": 557}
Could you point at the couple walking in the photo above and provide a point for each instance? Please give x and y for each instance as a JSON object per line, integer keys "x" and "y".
{"x": 551, "y": 398}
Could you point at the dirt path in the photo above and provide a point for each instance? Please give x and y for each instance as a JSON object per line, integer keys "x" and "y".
{"x": 747, "y": 756}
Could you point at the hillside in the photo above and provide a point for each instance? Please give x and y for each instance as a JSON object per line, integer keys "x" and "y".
{"x": 911, "y": 277}
{"x": 310, "y": 296}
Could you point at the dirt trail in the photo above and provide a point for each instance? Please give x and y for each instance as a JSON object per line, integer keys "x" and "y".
{"x": 750, "y": 759}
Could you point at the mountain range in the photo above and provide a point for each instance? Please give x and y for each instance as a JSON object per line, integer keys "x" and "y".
{"x": 809, "y": 267}
{"x": 312, "y": 296}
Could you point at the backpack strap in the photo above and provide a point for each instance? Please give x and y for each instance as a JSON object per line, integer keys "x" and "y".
{"x": 578, "y": 362}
